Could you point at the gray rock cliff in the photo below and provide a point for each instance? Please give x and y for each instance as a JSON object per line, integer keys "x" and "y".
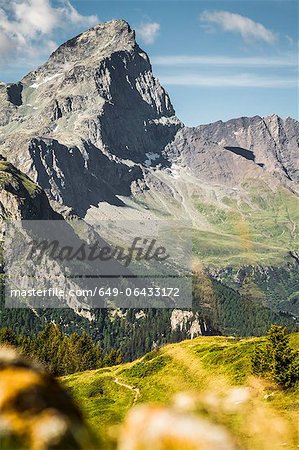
{"x": 82, "y": 124}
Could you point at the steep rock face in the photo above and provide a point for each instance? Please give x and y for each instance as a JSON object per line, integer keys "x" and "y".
{"x": 21, "y": 198}
{"x": 271, "y": 142}
{"x": 84, "y": 121}
{"x": 80, "y": 176}
{"x": 208, "y": 160}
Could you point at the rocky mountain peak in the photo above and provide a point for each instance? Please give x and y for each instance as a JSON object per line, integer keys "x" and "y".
{"x": 87, "y": 49}
{"x": 93, "y": 110}
{"x": 92, "y": 126}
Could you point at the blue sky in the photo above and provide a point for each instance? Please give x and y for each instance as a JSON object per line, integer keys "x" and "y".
{"x": 216, "y": 59}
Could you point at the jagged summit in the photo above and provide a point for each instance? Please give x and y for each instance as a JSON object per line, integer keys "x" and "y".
{"x": 93, "y": 110}
{"x": 93, "y": 126}
{"x": 273, "y": 141}
{"x": 98, "y": 133}
{"x": 88, "y": 49}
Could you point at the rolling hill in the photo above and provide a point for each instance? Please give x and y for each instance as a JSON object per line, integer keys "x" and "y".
{"x": 211, "y": 376}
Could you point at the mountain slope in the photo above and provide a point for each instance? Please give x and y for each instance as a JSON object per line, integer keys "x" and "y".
{"x": 206, "y": 370}
{"x": 271, "y": 142}
{"x": 96, "y": 130}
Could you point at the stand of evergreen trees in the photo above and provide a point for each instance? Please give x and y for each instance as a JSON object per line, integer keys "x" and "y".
{"x": 221, "y": 310}
{"x": 59, "y": 353}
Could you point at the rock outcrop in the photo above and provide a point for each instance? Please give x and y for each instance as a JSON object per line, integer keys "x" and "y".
{"x": 20, "y": 197}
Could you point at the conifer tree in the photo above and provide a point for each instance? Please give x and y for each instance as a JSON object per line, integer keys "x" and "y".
{"x": 276, "y": 359}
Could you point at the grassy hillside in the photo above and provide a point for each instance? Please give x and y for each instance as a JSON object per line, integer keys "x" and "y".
{"x": 209, "y": 369}
{"x": 261, "y": 230}
{"x": 254, "y": 223}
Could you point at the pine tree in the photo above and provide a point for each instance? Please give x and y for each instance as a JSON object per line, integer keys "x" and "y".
{"x": 113, "y": 358}
{"x": 276, "y": 359}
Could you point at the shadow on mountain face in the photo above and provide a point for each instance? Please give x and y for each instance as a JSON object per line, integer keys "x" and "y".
{"x": 14, "y": 93}
{"x": 247, "y": 154}
{"x": 80, "y": 178}
{"x": 134, "y": 123}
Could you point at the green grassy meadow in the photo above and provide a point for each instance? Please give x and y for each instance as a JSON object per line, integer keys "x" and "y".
{"x": 259, "y": 229}
{"x": 206, "y": 368}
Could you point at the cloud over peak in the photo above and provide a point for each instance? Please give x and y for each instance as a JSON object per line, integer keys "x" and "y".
{"x": 148, "y": 31}
{"x": 248, "y": 28}
{"x": 28, "y": 28}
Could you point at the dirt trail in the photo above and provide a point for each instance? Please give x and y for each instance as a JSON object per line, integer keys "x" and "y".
{"x": 185, "y": 358}
{"x": 127, "y": 386}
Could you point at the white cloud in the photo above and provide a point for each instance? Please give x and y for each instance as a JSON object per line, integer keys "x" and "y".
{"x": 28, "y": 29}
{"x": 248, "y": 28}
{"x": 75, "y": 17}
{"x": 148, "y": 31}
{"x": 242, "y": 80}
{"x": 34, "y": 16}
{"x": 290, "y": 60}
{"x": 6, "y": 44}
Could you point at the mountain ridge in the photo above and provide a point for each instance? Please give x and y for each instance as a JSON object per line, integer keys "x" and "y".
{"x": 96, "y": 130}
{"x": 77, "y": 107}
